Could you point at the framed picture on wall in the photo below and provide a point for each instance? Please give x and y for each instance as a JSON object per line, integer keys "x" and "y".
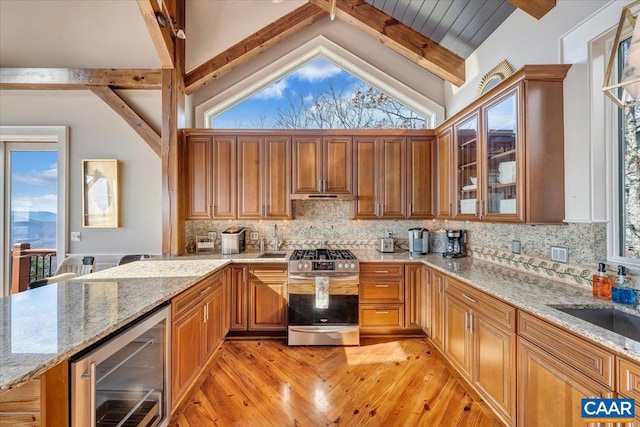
{"x": 100, "y": 207}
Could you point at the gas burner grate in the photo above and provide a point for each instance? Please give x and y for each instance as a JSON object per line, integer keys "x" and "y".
{"x": 321, "y": 254}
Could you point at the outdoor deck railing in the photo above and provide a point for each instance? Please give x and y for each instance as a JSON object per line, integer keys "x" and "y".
{"x": 29, "y": 264}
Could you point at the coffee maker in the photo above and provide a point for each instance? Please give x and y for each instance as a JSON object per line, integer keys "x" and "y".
{"x": 418, "y": 241}
{"x": 455, "y": 244}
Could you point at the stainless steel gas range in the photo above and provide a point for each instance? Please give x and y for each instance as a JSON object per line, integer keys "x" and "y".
{"x": 323, "y": 297}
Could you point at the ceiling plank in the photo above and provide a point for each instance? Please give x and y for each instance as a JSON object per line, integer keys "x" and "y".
{"x": 400, "y": 38}
{"x": 138, "y": 124}
{"x": 161, "y": 36}
{"x": 535, "y": 8}
{"x": 77, "y": 78}
{"x": 252, "y": 46}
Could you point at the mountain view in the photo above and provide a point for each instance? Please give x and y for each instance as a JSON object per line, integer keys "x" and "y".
{"x": 37, "y": 228}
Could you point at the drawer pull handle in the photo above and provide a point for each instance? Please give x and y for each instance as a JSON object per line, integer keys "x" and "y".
{"x": 381, "y": 286}
{"x": 473, "y": 300}
{"x": 205, "y": 290}
{"x": 382, "y": 311}
{"x": 381, "y": 271}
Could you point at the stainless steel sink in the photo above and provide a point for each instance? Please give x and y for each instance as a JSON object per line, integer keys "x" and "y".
{"x": 273, "y": 255}
{"x": 608, "y": 318}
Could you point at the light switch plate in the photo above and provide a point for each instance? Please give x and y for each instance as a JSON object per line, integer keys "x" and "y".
{"x": 212, "y": 235}
{"x": 515, "y": 246}
{"x": 559, "y": 254}
{"x": 76, "y": 236}
{"x": 254, "y": 235}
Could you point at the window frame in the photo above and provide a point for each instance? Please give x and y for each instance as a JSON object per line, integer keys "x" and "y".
{"x": 35, "y": 134}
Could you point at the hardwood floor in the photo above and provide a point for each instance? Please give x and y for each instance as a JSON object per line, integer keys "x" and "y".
{"x": 400, "y": 382}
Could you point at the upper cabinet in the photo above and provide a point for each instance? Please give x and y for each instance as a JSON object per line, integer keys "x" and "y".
{"x": 264, "y": 177}
{"x": 321, "y": 166}
{"x": 420, "y": 178}
{"x": 380, "y": 177}
{"x": 444, "y": 163}
{"x": 508, "y": 152}
{"x": 210, "y": 181}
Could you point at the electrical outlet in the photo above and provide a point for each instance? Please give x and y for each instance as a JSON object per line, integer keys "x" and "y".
{"x": 515, "y": 246}
{"x": 212, "y": 236}
{"x": 559, "y": 254}
{"x": 254, "y": 235}
{"x": 76, "y": 236}
{"x": 389, "y": 234}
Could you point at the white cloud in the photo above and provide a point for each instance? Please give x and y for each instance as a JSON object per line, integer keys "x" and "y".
{"x": 273, "y": 91}
{"x": 317, "y": 71}
{"x": 42, "y": 177}
{"x": 47, "y": 203}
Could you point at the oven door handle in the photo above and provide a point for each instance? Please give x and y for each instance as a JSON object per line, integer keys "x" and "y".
{"x": 311, "y": 277}
{"x": 320, "y": 330}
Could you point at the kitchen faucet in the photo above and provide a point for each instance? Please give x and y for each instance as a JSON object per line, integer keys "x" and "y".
{"x": 278, "y": 240}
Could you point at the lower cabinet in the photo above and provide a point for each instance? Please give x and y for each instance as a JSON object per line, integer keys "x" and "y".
{"x": 437, "y": 312}
{"x": 259, "y": 297}
{"x": 382, "y": 297}
{"x": 480, "y": 341}
{"x": 413, "y": 276}
{"x": 196, "y": 332}
{"x": 268, "y": 297}
{"x": 426, "y": 301}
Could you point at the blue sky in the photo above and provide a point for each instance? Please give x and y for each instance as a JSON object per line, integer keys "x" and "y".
{"x": 305, "y": 81}
{"x": 34, "y": 177}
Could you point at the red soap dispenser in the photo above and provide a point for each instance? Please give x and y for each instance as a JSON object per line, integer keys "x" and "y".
{"x": 602, "y": 283}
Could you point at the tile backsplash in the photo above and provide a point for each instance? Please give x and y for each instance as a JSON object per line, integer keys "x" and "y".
{"x": 329, "y": 222}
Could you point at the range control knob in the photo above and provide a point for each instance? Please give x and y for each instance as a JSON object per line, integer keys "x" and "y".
{"x": 353, "y": 265}
{"x": 340, "y": 265}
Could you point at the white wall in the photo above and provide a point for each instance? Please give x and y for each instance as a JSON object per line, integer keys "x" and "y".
{"x": 96, "y": 131}
{"x": 349, "y": 38}
{"x": 559, "y": 37}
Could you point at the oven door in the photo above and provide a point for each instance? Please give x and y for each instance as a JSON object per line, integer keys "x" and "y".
{"x": 343, "y": 300}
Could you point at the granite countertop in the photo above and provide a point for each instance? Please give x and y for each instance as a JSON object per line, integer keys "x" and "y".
{"x": 41, "y": 327}
{"x": 44, "y": 326}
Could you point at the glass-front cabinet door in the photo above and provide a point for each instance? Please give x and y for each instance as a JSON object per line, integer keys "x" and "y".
{"x": 501, "y": 162}
{"x": 467, "y": 167}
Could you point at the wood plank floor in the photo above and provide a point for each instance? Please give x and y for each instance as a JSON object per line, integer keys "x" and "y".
{"x": 400, "y": 382}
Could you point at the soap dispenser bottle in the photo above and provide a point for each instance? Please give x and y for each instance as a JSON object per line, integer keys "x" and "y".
{"x": 622, "y": 292}
{"x": 602, "y": 283}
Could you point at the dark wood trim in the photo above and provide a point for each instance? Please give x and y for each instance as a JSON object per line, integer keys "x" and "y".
{"x": 400, "y": 38}
{"x": 173, "y": 112}
{"x": 161, "y": 36}
{"x": 535, "y": 8}
{"x": 310, "y": 132}
{"x": 123, "y": 109}
{"x": 252, "y": 46}
{"x": 78, "y": 78}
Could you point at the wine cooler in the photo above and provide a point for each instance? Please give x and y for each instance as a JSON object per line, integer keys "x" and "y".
{"x": 124, "y": 381}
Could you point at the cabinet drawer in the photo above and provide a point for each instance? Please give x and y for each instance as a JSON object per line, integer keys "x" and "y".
{"x": 381, "y": 316}
{"x": 195, "y": 294}
{"x": 500, "y": 313}
{"x": 376, "y": 270}
{"x": 629, "y": 379}
{"x": 382, "y": 290}
{"x": 583, "y": 356}
{"x": 262, "y": 270}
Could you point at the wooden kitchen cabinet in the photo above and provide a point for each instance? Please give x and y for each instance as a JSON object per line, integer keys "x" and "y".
{"x": 210, "y": 164}
{"x": 321, "y": 165}
{"x": 510, "y": 143}
{"x": 259, "y": 297}
{"x": 413, "y": 276}
{"x": 480, "y": 341}
{"x": 239, "y": 297}
{"x": 426, "y": 301}
{"x": 555, "y": 370}
{"x": 268, "y": 297}
{"x": 196, "y": 332}
{"x": 437, "y": 316}
{"x": 444, "y": 162}
{"x": 420, "y": 178}
{"x": 264, "y": 177}
{"x": 380, "y": 178}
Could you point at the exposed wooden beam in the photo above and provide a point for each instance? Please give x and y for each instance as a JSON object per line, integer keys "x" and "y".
{"x": 400, "y": 38}
{"x": 535, "y": 8}
{"x": 77, "y": 78}
{"x": 252, "y": 46}
{"x": 161, "y": 36}
{"x": 129, "y": 115}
